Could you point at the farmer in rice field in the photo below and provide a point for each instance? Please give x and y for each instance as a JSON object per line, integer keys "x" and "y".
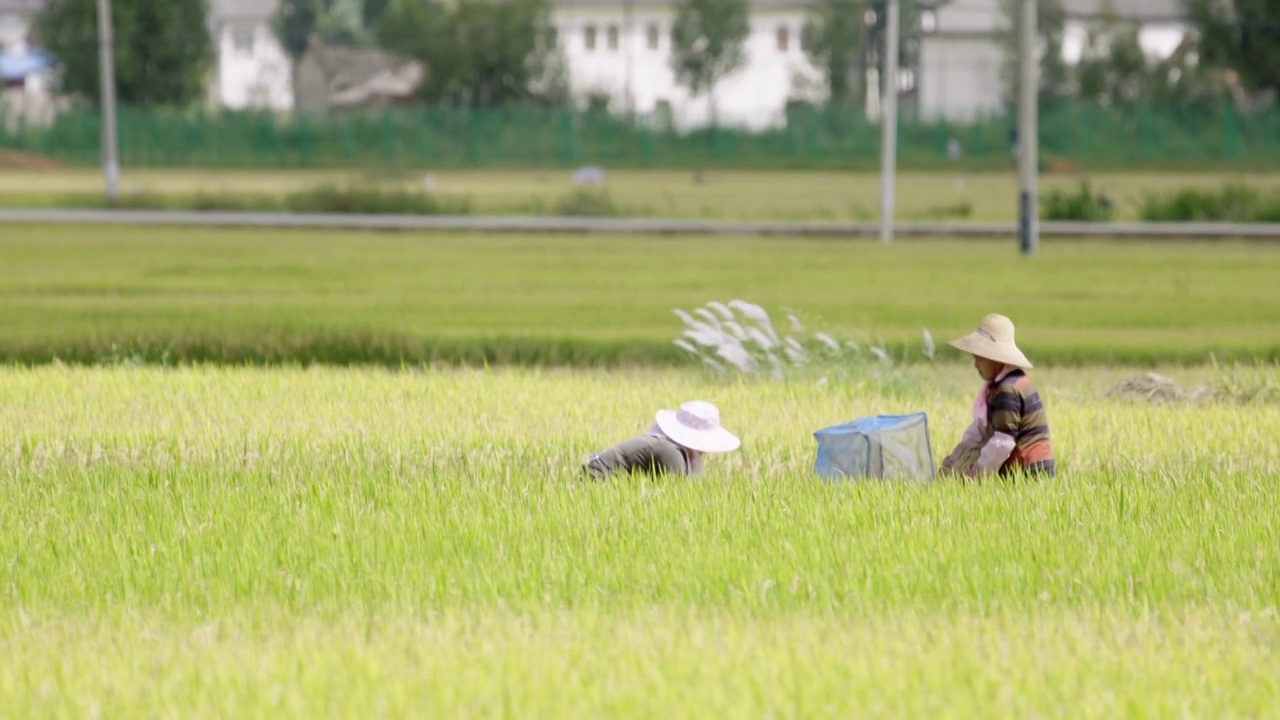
{"x": 673, "y": 445}
{"x": 1009, "y": 434}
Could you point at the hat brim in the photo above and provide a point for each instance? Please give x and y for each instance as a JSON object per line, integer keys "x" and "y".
{"x": 1007, "y": 353}
{"x": 707, "y": 441}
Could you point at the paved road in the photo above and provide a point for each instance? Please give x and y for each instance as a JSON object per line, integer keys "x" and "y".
{"x": 645, "y": 226}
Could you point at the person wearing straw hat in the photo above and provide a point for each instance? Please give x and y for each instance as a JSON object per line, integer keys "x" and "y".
{"x": 1009, "y": 434}
{"x": 674, "y": 444}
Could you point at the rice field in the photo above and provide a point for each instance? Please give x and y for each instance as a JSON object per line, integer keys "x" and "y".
{"x": 717, "y": 195}
{"x": 204, "y": 541}
{"x": 101, "y": 294}
{"x": 283, "y": 474}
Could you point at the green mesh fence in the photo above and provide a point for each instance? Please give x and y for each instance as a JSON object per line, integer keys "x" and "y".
{"x": 1089, "y": 135}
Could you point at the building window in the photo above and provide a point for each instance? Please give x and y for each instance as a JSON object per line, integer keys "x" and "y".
{"x": 784, "y": 38}
{"x": 589, "y": 36}
{"x": 613, "y": 37}
{"x": 242, "y": 39}
{"x": 653, "y": 36}
{"x": 928, "y": 21}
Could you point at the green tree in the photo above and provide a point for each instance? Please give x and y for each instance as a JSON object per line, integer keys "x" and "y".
{"x": 371, "y": 11}
{"x": 295, "y": 23}
{"x": 1184, "y": 78}
{"x": 335, "y": 22}
{"x": 1243, "y": 35}
{"x": 1113, "y": 69}
{"x": 833, "y": 41}
{"x": 1055, "y": 76}
{"x": 477, "y": 53}
{"x": 163, "y": 52}
{"x": 873, "y": 47}
{"x": 707, "y": 42}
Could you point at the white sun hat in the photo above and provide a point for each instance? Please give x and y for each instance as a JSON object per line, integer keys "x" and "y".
{"x": 696, "y": 425}
{"x": 993, "y": 340}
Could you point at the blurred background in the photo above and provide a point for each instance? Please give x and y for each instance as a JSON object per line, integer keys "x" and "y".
{"x": 479, "y": 101}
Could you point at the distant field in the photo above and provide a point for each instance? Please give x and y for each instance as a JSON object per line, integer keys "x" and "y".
{"x": 336, "y": 542}
{"x": 94, "y": 293}
{"x": 777, "y": 195}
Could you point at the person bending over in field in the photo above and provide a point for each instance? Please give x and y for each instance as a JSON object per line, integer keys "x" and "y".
{"x": 675, "y": 444}
{"x": 1009, "y": 434}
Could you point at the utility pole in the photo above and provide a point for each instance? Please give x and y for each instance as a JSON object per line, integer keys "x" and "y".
{"x": 1028, "y": 132}
{"x": 889, "y": 122}
{"x": 107, "y": 72}
{"x": 628, "y": 31}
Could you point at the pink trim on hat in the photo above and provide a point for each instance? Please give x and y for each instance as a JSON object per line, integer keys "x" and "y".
{"x": 688, "y": 419}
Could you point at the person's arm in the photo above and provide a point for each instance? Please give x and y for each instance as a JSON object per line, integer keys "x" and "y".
{"x": 971, "y": 438}
{"x": 638, "y": 454}
{"x": 668, "y": 459}
{"x": 1006, "y": 417}
{"x": 619, "y": 457}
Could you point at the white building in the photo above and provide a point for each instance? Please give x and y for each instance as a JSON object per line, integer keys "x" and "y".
{"x": 15, "y": 22}
{"x": 624, "y": 51}
{"x": 251, "y": 69}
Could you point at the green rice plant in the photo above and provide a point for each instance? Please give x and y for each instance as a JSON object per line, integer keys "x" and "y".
{"x": 266, "y": 296}
{"x": 1245, "y": 382}
{"x": 298, "y": 542}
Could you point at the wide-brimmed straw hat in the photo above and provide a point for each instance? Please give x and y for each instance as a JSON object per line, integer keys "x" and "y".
{"x": 993, "y": 340}
{"x": 696, "y": 425}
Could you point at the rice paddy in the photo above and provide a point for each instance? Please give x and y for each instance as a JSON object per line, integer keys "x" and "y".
{"x": 338, "y": 474}
{"x": 716, "y": 195}
{"x": 290, "y": 542}
{"x": 90, "y": 294}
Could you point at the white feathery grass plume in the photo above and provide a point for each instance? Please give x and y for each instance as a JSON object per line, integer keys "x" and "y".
{"x": 751, "y": 311}
{"x": 776, "y": 373}
{"x": 736, "y": 356}
{"x": 711, "y": 319}
{"x": 880, "y": 353}
{"x": 735, "y": 329}
{"x": 929, "y": 348}
{"x": 796, "y": 325}
{"x": 829, "y": 341}
{"x": 756, "y": 314}
{"x": 795, "y": 351}
{"x": 759, "y": 338}
{"x": 767, "y": 326}
{"x": 686, "y": 346}
{"x": 725, "y": 312}
{"x": 706, "y": 337}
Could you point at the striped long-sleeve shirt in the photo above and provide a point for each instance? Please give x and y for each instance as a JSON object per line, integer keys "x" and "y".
{"x": 1014, "y": 409}
{"x": 1010, "y": 431}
